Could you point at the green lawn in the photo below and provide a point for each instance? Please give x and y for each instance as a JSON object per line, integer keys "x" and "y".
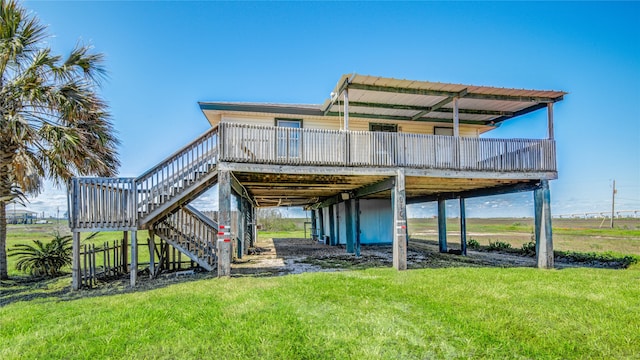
{"x": 375, "y": 313}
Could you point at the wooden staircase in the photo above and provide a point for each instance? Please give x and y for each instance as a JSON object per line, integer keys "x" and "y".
{"x": 157, "y": 200}
{"x": 192, "y": 233}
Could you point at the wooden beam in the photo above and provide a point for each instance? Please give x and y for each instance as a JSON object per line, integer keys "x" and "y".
{"x": 408, "y": 118}
{"x": 357, "y": 211}
{"x": 456, "y": 118}
{"x": 75, "y": 261}
{"x": 224, "y": 248}
{"x": 401, "y": 90}
{"x": 125, "y": 246}
{"x": 435, "y": 107}
{"x": 550, "y": 121}
{"x": 442, "y": 225}
{"x": 505, "y": 189}
{"x": 152, "y": 252}
{"x": 349, "y": 223}
{"x": 543, "y": 227}
{"x": 400, "y": 231}
{"x": 133, "y": 271}
{"x": 346, "y": 109}
{"x": 463, "y": 228}
{"x": 332, "y": 226}
{"x": 476, "y": 112}
{"x": 469, "y": 95}
{"x": 321, "y": 223}
{"x": 366, "y": 190}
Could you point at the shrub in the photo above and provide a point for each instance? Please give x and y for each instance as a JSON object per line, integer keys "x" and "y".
{"x": 529, "y": 248}
{"x": 473, "y": 244}
{"x": 498, "y": 245}
{"x": 43, "y": 259}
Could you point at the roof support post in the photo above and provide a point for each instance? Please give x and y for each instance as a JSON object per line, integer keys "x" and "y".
{"x": 346, "y": 109}
{"x": 550, "y": 120}
{"x": 399, "y": 208}
{"x": 456, "y": 118}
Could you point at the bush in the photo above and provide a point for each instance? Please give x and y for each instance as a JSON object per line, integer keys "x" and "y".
{"x": 43, "y": 259}
{"x": 473, "y": 244}
{"x": 498, "y": 245}
{"x": 529, "y": 248}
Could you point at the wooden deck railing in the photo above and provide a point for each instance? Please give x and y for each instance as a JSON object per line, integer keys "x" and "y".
{"x": 102, "y": 203}
{"x": 290, "y": 146}
{"x": 120, "y": 203}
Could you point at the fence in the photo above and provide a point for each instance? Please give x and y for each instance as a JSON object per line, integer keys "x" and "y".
{"x": 110, "y": 261}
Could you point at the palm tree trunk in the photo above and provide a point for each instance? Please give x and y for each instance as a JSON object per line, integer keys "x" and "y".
{"x": 3, "y": 241}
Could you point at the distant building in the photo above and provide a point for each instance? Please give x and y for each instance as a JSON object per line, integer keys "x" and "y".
{"x": 21, "y": 217}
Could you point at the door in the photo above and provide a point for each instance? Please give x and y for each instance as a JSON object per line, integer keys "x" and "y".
{"x": 289, "y": 143}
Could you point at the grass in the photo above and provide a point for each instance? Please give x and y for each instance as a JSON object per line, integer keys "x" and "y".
{"x": 584, "y": 235}
{"x": 25, "y": 234}
{"x": 374, "y": 313}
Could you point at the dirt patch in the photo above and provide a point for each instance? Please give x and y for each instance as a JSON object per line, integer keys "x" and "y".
{"x": 283, "y": 256}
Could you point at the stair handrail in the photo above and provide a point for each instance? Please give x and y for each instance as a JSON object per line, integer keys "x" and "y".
{"x": 204, "y": 218}
{"x": 153, "y": 187}
{"x": 209, "y": 133}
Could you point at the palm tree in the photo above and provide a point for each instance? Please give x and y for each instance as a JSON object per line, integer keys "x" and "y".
{"x": 53, "y": 123}
{"x": 42, "y": 259}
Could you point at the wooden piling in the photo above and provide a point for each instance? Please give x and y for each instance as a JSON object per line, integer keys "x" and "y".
{"x": 400, "y": 231}
{"x": 442, "y": 225}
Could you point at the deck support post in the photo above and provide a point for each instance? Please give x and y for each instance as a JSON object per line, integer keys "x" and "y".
{"x": 332, "y": 226}
{"x": 242, "y": 226}
{"x": 75, "y": 261}
{"x": 314, "y": 225}
{"x": 463, "y": 228}
{"x": 543, "y": 232}
{"x": 224, "y": 219}
{"x": 321, "y": 224}
{"x": 152, "y": 259}
{"x": 442, "y": 225}
{"x": 399, "y": 207}
{"x": 125, "y": 245}
{"x": 133, "y": 270}
{"x": 348, "y": 214}
{"x": 357, "y": 211}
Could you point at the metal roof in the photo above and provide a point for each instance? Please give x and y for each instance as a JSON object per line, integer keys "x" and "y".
{"x": 373, "y": 96}
{"x": 394, "y": 99}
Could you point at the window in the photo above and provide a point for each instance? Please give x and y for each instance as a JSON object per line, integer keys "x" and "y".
{"x": 383, "y": 127}
{"x": 447, "y": 131}
{"x": 289, "y": 138}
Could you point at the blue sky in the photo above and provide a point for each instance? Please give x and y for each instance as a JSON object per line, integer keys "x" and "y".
{"x": 164, "y": 57}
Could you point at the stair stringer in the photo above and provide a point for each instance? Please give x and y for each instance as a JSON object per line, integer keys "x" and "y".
{"x": 188, "y": 194}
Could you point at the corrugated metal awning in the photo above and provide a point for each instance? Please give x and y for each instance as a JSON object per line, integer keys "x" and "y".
{"x": 395, "y": 99}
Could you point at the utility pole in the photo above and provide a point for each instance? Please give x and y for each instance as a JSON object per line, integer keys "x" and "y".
{"x": 613, "y": 202}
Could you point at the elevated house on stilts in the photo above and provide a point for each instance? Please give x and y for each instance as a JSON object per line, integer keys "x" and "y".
{"x": 376, "y": 145}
